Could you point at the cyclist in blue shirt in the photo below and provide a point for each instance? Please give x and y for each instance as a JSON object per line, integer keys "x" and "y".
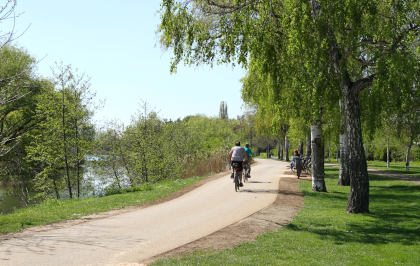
{"x": 250, "y": 154}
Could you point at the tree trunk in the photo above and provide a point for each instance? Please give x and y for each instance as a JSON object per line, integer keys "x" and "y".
{"x": 281, "y": 151}
{"x": 366, "y": 153}
{"x": 336, "y": 155}
{"x": 286, "y": 148}
{"x": 268, "y": 148}
{"x": 318, "y": 182}
{"x": 278, "y": 152}
{"x": 115, "y": 170}
{"x": 65, "y": 148}
{"x": 308, "y": 146}
{"x": 77, "y": 156}
{"x": 387, "y": 154}
{"x": 407, "y": 156}
{"x": 57, "y": 193}
{"x": 358, "y": 201}
{"x": 343, "y": 177}
{"x": 301, "y": 146}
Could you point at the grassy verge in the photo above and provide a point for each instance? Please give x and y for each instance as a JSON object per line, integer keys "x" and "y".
{"x": 323, "y": 234}
{"x": 396, "y": 167}
{"x": 52, "y": 211}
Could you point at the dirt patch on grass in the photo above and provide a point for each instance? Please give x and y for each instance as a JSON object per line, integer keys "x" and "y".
{"x": 288, "y": 202}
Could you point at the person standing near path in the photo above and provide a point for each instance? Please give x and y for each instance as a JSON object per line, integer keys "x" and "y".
{"x": 298, "y": 159}
{"x": 250, "y": 154}
{"x": 237, "y": 154}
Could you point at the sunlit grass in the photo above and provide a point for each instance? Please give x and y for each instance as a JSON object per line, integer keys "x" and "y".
{"x": 323, "y": 234}
{"x": 52, "y": 211}
{"x": 396, "y": 167}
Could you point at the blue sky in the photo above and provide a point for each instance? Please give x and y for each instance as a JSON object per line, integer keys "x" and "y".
{"x": 114, "y": 42}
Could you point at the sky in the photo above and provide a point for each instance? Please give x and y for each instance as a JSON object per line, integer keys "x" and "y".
{"x": 115, "y": 44}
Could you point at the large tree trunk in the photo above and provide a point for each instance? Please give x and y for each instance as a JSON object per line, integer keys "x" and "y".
{"x": 358, "y": 201}
{"x": 286, "y": 148}
{"x": 318, "y": 182}
{"x": 343, "y": 177}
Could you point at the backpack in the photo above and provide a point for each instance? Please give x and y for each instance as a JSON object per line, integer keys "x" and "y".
{"x": 236, "y": 165}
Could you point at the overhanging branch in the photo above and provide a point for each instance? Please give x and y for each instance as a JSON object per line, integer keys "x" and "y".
{"x": 363, "y": 83}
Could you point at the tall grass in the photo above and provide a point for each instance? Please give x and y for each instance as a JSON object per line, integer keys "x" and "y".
{"x": 204, "y": 164}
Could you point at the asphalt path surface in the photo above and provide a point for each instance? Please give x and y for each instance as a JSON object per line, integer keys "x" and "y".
{"x": 137, "y": 235}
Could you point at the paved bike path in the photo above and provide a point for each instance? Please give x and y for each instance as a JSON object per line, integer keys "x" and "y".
{"x": 138, "y": 235}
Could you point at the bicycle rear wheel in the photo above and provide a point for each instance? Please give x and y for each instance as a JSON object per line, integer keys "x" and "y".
{"x": 236, "y": 179}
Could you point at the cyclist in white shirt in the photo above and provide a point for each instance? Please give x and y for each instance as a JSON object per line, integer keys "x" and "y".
{"x": 237, "y": 154}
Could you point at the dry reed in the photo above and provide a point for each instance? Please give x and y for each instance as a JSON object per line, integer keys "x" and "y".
{"x": 205, "y": 164}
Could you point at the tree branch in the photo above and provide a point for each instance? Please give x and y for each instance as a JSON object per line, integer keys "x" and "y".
{"x": 363, "y": 62}
{"x": 362, "y": 84}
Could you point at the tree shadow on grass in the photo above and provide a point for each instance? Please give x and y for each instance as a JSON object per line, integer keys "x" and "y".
{"x": 394, "y": 217}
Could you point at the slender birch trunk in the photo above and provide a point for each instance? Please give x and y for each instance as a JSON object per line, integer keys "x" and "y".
{"x": 286, "y": 147}
{"x": 407, "y": 156}
{"x": 318, "y": 182}
{"x": 281, "y": 151}
{"x": 336, "y": 155}
{"x": 65, "y": 146}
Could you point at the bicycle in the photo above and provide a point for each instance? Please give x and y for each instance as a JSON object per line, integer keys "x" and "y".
{"x": 245, "y": 171}
{"x": 236, "y": 176}
{"x": 307, "y": 166}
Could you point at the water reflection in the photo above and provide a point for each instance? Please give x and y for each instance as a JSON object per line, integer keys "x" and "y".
{"x": 93, "y": 184}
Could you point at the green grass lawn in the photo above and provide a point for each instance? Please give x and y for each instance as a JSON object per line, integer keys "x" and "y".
{"x": 323, "y": 234}
{"x": 52, "y": 211}
{"x": 396, "y": 167}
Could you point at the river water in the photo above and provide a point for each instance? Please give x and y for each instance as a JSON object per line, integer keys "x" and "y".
{"x": 91, "y": 185}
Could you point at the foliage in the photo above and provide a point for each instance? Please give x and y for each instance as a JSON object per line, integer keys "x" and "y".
{"x": 19, "y": 89}
{"x": 152, "y": 148}
{"x": 65, "y": 135}
{"x": 18, "y": 84}
{"x": 303, "y": 56}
